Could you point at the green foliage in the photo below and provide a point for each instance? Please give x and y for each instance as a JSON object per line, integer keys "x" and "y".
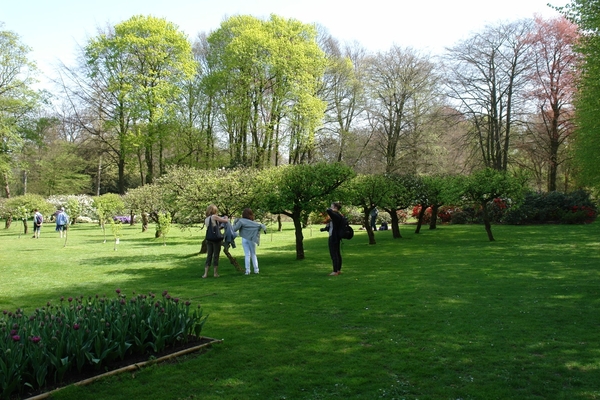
{"x": 481, "y": 188}
{"x": 164, "y": 226}
{"x": 145, "y": 199}
{"x": 22, "y": 207}
{"x": 304, "y": 188}
{"x": 553, "y": 207}
{"x": 42, "y": 347}
{"x": 108, "y": 205}
{"x": 586, "y": 142}
{"x": 17, "y": 99}
{"x": 139, "y": 66}
{"x": 265, "y": 73}
{"x": 298, "y": 190}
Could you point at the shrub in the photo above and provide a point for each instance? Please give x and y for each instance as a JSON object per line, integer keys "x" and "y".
{"x": 426, "y": 217}
{"x": 402, "y": 215}
{"x": 81, "y": 332}
{"x": 124, "y": 219}
{"x": 554, "y": 207}
{"x": 446, "y": 213}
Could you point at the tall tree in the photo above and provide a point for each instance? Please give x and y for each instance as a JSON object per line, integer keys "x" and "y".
{"x": 156, "y": 56}
{"x": 486, "y": 76}
{"x": 17, "y": 99}
{"x": 343, "y": 89}
{"x": 553, "y": 79}
{"x": 266, "y": 74}
{"x": 396, "y": 80}
{"x": 584, "y": 13}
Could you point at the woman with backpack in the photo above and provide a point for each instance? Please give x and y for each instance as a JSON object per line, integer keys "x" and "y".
{"x": 214, "y": 239}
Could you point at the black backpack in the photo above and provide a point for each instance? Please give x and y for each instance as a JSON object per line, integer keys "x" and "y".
{"x": 348, "y": 231}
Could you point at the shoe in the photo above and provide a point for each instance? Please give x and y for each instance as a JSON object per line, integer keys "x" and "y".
{"x": 256, "y": 272}
{"x": 334, "y": 274}
{"x": 247, "y": 273}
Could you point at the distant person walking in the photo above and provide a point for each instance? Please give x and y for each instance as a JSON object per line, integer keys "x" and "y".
{"x": 214, "y": 239}
{"x": 250, "y": 233}
{"x": 336, "y": 231}
{"x": 62, "y": 222}
{"x": 38, "y": 220}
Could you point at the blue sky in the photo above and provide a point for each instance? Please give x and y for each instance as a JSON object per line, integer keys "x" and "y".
{"x": 55, "y": 28}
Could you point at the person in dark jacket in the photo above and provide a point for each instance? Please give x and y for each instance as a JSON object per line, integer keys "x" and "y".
{"x": 336, "y": 231}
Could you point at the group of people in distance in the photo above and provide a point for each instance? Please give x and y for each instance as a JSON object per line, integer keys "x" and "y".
{"x": 61, "y": 218}
{"x": 249, "y": 230}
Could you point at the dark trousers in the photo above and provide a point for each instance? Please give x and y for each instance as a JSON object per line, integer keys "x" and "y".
{"x": 213, "y": 250}
{"x": 336, "y": 254}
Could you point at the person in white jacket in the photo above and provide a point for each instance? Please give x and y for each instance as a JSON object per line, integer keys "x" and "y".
{"x": 250, "y": 232}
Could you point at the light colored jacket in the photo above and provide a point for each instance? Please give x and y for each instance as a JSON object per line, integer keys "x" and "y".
{"x": 62, "y": 218}
{"x": 249, "y": 230}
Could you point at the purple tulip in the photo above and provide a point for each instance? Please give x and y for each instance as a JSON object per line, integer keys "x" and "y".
{"x": 16, "y": 338}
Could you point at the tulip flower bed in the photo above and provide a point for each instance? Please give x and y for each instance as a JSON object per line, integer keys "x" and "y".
{"x": 40, "y": 349}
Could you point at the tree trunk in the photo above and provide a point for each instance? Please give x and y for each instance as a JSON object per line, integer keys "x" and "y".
{"x": 8, "y": 222}
{"x": 420, "y": 219}
{"x": 144, "y": 222}
{"x": 299, "y": 236}
{"x": 486, "y": 222}
{"x": 434, "y": 214}
{"x": 279, "y": 223}
{"x": 367, "y": 225}
{"x": 99, "y": 176}
{"x": 395, "y": 224}
{"x": 553, "y": 167}
{"x": 6, "y": 186}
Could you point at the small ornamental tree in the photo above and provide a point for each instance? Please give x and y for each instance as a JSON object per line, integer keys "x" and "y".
{"x": 368, "y": 192}
{"x": 149, "y": 201}
{"x": 164, "y": 225}
{"x": 401, "y": 197}
{"x": 22, "y": 207}
{"x": 107, "y": 206}
{"x": 442, "y": 189}
{"x": 298, "y": 190}
{"x": 481, "y": 188}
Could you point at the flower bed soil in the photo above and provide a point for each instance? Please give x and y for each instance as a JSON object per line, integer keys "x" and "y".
{"x": 132, "y": 362}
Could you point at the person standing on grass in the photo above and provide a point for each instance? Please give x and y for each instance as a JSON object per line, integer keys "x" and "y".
{"x": 213, "y": 247}
{"x": 374, "y": 213}
{"x": 250, "y": 233}
{"x": 62, "y": 221}
{"x": 38, "y": 220}
{"x": 336, "y": 231}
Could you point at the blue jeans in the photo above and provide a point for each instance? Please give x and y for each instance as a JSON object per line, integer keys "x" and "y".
{"x": 250, "y": 255}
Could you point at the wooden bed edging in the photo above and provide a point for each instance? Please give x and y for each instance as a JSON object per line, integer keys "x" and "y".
{"x": 131, "y": 367}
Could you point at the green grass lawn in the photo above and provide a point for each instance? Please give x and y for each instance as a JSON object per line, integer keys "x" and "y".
{"x": 444, "y": 314}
